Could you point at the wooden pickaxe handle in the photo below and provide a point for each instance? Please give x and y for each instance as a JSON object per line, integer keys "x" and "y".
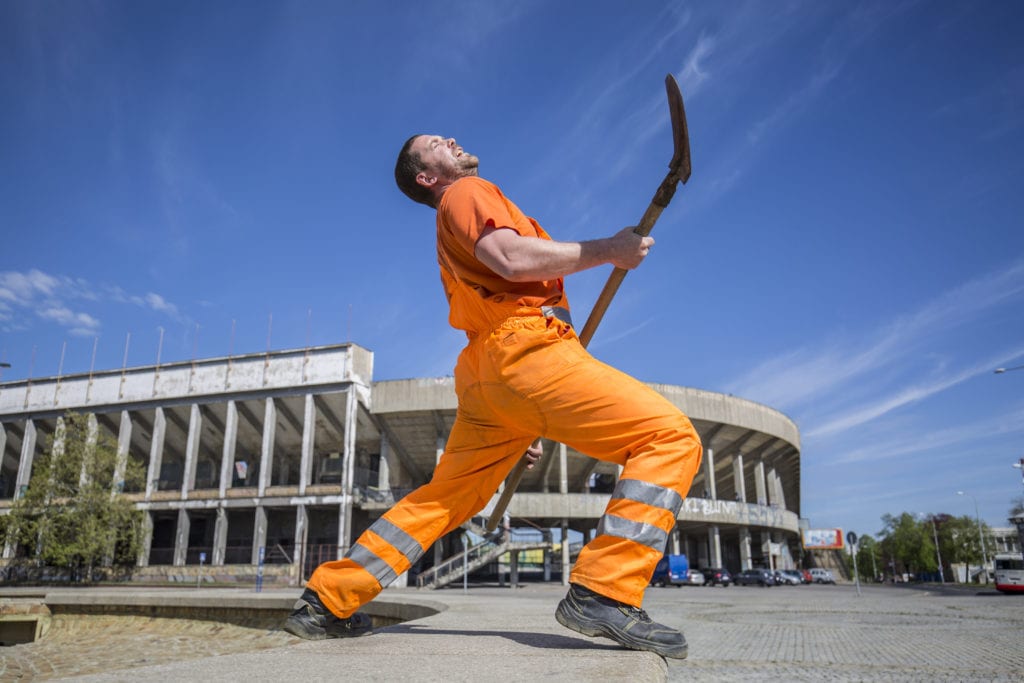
{"x": 679, "y": 172}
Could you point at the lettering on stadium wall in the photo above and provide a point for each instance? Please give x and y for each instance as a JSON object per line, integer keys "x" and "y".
{"x": 731, "y": 512}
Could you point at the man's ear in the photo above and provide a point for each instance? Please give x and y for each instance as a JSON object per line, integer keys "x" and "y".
{"x": 425, "y": 180}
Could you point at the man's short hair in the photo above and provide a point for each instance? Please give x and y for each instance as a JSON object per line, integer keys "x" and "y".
{"x": 408, "y": 166}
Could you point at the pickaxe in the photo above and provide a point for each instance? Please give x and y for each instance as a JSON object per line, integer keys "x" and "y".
{"x": 678, "y": 172}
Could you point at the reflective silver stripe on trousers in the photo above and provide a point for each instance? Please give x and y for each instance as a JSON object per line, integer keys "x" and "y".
{"x": 380, "y": 569}
{"x": 371, "y": 562}
{"x": 649, "y": 494}
{"x": 639, "y": 532}
{"x": 403, "y": 542}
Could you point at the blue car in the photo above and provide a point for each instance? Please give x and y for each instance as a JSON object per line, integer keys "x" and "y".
{"x": 672, "y": 570}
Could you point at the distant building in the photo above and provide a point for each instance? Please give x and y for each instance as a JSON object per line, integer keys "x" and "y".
{"x": 293, "y": 454}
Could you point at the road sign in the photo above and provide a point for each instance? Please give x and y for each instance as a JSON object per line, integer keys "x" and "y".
{"x": 851, "y": 538}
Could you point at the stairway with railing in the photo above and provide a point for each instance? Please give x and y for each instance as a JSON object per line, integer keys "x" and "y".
{"x": 492, "y": 546}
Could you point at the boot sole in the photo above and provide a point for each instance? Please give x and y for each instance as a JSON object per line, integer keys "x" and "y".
{"x": 300, "y": 630}
{"x": 597, "y": 629}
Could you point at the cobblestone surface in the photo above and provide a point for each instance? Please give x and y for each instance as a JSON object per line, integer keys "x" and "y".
{"x": 829, "y": 633}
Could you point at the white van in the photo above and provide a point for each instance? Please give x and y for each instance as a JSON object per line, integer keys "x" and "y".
{"x": 819, "y": 575}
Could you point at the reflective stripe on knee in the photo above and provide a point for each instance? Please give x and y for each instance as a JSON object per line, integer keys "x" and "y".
{"x": 369, "y": 561}
{"x": 640, "y": 532}
{"x": 403, "y": 542}
{"x": 408, "y": 546}
{"x": 649, "y": 494}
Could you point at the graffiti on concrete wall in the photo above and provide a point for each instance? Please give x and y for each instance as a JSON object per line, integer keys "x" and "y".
{"x": 732, "y": 512}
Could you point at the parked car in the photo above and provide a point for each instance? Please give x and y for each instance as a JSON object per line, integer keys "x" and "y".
{"x": 716, "y": 576}
{"x": 807, "y": 575}
{"x": 791, "y": 577}
{"x": 755, "y": 577}
{"x": 694, "y": 578}
{"x": 820, "y": 575}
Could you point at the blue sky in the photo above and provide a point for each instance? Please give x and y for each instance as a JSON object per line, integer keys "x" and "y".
{"x": 849, "y": 249}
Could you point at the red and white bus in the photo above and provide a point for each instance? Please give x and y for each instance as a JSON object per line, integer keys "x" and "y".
{"x": 1009, "y": 572}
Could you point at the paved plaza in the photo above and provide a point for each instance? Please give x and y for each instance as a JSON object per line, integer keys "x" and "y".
{"x": 791, "y": 633}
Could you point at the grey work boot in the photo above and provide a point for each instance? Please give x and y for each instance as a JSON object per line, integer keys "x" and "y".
{"x": 592, "y": 614}
{"x": 312, "y": 621}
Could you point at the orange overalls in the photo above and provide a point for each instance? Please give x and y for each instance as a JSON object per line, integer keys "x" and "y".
{"x": 525, "y": 374}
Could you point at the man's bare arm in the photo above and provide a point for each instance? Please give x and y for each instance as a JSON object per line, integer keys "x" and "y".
{"x": 530, "y": 259}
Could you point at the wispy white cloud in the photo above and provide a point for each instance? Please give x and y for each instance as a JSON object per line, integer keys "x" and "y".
{"x": 877, "y": 406}
{"x": 910, "y": 442}
{"x": 61, "y": 300}
{"x": 695, "y": 71}
{"x": 795, "y": 103}
{"x": 78, "y": 324}
{"x": 803, "y": 375}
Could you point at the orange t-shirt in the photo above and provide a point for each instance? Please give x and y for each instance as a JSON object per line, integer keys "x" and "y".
{"x": 467, "y": 207}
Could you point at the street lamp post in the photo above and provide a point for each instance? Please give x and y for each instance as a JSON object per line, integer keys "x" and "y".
{"x": 977, "y": 517}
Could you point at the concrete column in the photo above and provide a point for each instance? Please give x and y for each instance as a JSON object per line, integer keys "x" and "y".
{"x": 147, "y": 538}
{"x": 342, "y": 536}
{"x": 745, "y": 560}
{"x": 267, "y": 451}
{"x": 220, "y": 537}
{"x": 762, "y": 493}
{"x": 563, "y": 489}
{"x": 227, "y": 459}
{"x": 566, "y": 555}
{"x": 8, "y": 551}
{"x": 439, "y": 448}
{"x": 308, "y": 436}
{"x": 156, "y": 452}
{"x": 259, "y": 533}
{"x": 709, "y": 472}
{"x": 778, "y": 496}
{"x": 301, "y": 530}
{"x": 348, "y": 478}
{"x": 28, "y": 451}
{"x": 3, "y": 448}
{"x": 384, "y": 468}
{"x": 739, "y": 483}
{"x": 181, "y": 537}
{"x": 673, "y": 542}
{"x": 547, "y": 554}
{"x": 195, "y": 431}
{"x": 124, "y": 445}
{"x": 92, "y": 437}
{"x": 714, "y": 546}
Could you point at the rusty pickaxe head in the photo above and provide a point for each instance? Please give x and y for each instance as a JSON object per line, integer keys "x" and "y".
{"x": 679, "y": 167}
{"x": 680, "y": 164}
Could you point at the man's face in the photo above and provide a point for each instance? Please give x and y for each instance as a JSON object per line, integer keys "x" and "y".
{"x": 444, "y": 160}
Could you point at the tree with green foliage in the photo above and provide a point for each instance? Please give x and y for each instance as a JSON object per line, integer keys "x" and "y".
{"x": 869, "y": 559}
{"x": 71, "y": 516}
{"x": 908, "y": 543}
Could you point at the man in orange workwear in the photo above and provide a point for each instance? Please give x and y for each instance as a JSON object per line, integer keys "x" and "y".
{"x": 523, "y": 373}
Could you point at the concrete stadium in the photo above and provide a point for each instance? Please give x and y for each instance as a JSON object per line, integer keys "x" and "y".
{"x": 267, "y": 464}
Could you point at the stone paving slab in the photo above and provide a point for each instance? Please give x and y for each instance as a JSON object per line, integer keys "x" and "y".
{"x": 791, "y": 633}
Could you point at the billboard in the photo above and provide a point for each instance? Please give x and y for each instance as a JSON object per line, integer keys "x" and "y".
{"x": 822, "y": 539}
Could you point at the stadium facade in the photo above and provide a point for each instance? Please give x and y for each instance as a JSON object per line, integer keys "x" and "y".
{"x": 281, "y": 459}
